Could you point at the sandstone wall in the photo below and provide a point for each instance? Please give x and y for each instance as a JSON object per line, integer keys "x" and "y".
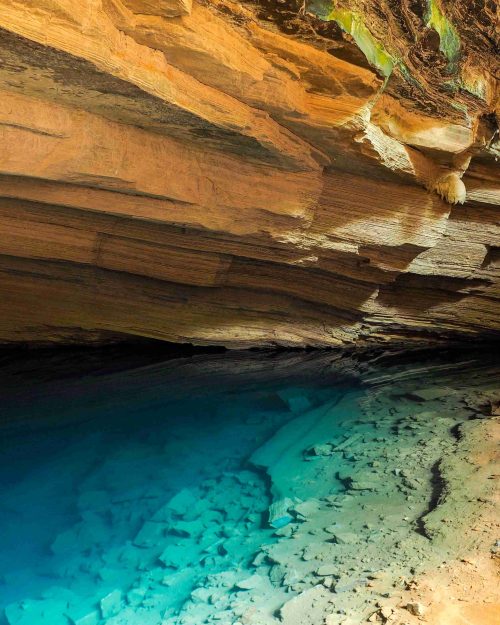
{"x": 247, "y": 173}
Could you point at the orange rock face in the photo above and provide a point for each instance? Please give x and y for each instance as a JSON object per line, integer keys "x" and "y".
{"x": 239, "y": 173}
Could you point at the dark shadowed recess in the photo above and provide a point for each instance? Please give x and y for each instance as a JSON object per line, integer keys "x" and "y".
{"x": 70, "y": 379}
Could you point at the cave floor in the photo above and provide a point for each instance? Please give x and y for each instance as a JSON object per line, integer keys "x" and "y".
{"x": 249, "y": 489}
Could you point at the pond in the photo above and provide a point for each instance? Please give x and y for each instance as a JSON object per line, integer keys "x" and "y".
{"x": 231, "y": 488}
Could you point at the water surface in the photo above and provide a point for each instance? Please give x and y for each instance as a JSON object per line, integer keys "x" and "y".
{"x": 140, "y": 492}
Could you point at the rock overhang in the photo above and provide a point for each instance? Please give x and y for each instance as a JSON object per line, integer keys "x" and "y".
{"x": 250, "y": 173}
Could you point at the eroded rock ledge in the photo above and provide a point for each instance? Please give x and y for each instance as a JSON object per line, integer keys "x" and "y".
{"x": 248, "y": 173}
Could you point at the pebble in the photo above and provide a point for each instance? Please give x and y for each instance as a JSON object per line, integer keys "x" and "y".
{"x": 415, "y": 608}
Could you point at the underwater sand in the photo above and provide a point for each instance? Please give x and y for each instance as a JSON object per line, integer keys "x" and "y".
{"x": 238, "y": 489}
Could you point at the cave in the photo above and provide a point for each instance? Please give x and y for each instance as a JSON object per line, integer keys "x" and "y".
{"x": 249, "y": 312}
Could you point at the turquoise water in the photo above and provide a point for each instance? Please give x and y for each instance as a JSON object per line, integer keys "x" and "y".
{"x": 88, "y": 468}
{"x": 142, "y": 495}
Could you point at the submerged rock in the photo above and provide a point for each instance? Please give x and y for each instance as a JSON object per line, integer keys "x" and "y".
{"x": 305, "y": 509}
{"x": 250, "y": 583}
{"x": 321, "y": 450}
{"x": 180, "y": 504}
{"x": 327, "y": 570}
{"x": 279, "y": 514}
{"x": 84, "y": 617}
{"x": 111, "y": 604}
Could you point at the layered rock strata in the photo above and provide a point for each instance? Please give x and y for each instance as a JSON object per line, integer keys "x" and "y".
{"x": 249, "y": 173}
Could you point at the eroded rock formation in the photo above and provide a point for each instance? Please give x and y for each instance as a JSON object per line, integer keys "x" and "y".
{"x": 248, "y": 173}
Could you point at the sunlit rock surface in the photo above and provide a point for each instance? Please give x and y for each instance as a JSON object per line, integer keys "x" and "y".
{"x": 138, "y": 493}
{"x": 248, "y": 173}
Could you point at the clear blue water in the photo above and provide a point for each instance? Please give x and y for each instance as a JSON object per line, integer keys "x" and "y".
{"x": 127, "y": 491}
{"x": 85, "y": 463}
